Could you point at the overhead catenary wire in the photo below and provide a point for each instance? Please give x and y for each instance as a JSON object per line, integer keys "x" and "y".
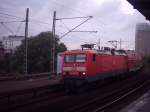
{"x": 46, "y": 23}
{"x": 19, "y": 27}
{"x": 13, "y": 17}
{"x": 31, "y": 20}
{"x": 66, "y": 6}
{"x": 38, "y": 21}
{"x": 79, "y": 12}
{"x": 40, "y": 24}
{"x": 57, "y": 3}
{"x": 75, "y": 27}
{"x": 65, "y": 25}
{"x": 10, "y": 16}
{"x": 6, "y": 14}
{"x": 75, "y": 10}
{"x": 10, "y": 21}
{"x": 86, "y": 31}
{"x": 2, "y": 17}
{"x": 45, "y": 26}
{"x": 8, "y": 29}
{"x": 74, "y": 18}
{"x": 3, "y": 23}
{"x": 43, "y": 23}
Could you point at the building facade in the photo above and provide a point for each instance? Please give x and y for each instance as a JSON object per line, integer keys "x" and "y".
{"x": 142, "y": 39}
{"x": 2, "y": 51}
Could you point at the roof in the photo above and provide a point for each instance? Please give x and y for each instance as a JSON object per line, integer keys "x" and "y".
{"x": 115, "y": 52}
{"x": 80, "y": 51}
{"x": 142, "y": 6}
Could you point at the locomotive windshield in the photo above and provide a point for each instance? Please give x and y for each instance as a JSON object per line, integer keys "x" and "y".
{"x": 69, "y": 58}
{"x": 80, "y": 57}
{"x": 75, "y": 58}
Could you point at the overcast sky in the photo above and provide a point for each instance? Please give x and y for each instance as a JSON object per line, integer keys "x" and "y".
{"x": 113, "y": 19}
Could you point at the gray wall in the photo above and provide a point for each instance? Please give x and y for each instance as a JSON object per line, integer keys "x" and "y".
{"x": 142, "y": 39}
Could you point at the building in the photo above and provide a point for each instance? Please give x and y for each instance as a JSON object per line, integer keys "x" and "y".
{"x": 2, "y": 51}
{"x": 142, "y": 39}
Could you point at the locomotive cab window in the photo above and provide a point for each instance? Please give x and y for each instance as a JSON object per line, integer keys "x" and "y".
{"x": 75, "y": 58}
{"x": 80, "y": 58}
{"x": 94, "y": 57}
{"x": 69, "y": 58}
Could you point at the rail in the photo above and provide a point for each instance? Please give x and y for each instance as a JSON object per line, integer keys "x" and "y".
{"x": 14, "y": 98}
{"x": 24, "y": 77}
{"x": 101, "y": 103}
{"x": 121, "y": 97}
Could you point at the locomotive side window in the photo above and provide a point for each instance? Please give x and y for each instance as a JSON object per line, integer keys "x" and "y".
{"x": 69, "y": 58}
{"x": 94, "y": 57}
{"x": 75, "y": 58}
{"x": 80, "y": 58}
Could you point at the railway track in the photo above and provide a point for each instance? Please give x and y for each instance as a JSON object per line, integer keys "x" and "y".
{"x": 14, "y": 77}
{"x": 89, "y": 102}
{"x": 103, "y": 103}
{"x": 119, "y": 98}
{"x": 52, "y": 97}
{"x": 100, "y": 104}
{"x": 18, "y": 99}
{"x": 92, "y": 100}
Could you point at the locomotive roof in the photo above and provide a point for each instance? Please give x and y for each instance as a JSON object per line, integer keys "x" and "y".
{"x": 93, "y": 51}
{"x": 80, "y": 51}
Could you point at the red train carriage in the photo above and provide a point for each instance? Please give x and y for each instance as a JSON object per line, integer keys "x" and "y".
{"x": 90, "y": 65}
{"x": 134, "y": 61}
{"x": 84, "y": 66}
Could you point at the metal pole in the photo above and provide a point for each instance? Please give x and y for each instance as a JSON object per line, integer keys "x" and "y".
{"x": 26, "y": 41}
{"x": 52, "y": 49}
{"x": 120, "y": 43}
{"x": 52, "y": 61}
{"x": 99, "y": 44}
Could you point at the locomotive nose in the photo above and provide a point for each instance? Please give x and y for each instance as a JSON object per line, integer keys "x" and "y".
{"x": 74, "y": 70}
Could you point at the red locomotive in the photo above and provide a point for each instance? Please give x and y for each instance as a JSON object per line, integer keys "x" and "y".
{"x": 84, "y": 66}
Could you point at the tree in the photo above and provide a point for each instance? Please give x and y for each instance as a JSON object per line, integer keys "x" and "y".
{"x": 38, "y": 53}
{"x": 146, "y": 60}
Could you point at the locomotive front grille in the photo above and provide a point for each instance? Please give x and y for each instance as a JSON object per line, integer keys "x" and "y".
{"x": 67, "y": 68}
{"x": 80, "y": 69}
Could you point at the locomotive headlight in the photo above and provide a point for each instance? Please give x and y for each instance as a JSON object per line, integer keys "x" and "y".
{"x": 83, "y": 73}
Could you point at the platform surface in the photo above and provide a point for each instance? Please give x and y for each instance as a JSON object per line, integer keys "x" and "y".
{"x": 142, "y": 104}
{"x": 9, "y": 86}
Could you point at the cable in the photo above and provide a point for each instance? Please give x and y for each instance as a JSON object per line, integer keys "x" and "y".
{"x": 6, "y": 28}
{"x": 10, "y": 21}
{"x": 10, "y": 15}
{"x": 39, "y": 24}
{"x": 19, "y": 27}
{"x": 73, "y": 10}
{"x": 65, "y": 25}
{"x": 44, "y": 23}
{"x": 33, "y": 20}
{"x": 74, "y": 18}
{"x": 66, "y": 6}
{"x": 75, "y": 28}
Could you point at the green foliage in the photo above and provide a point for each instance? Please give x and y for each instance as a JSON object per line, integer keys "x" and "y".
{"x": 146, "y": 60}
{"x": 5, "y": 64}
{"x": 38, "y": 53}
